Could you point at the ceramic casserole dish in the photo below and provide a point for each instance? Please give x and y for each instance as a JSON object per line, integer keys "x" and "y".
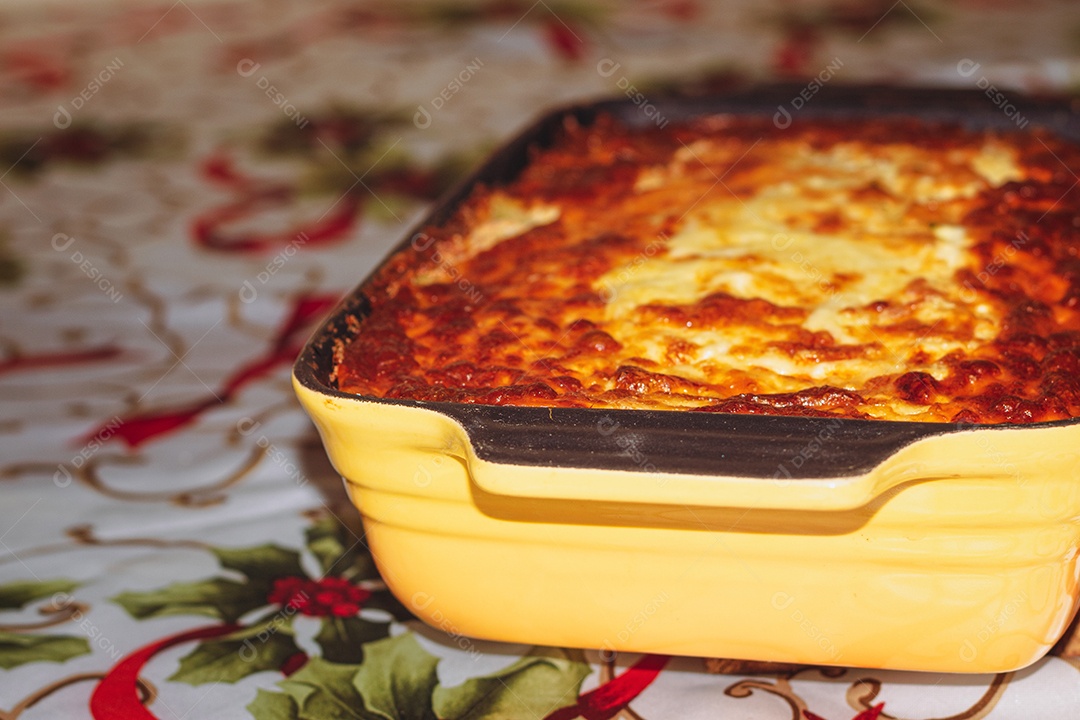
{"x": 939, "y": 546}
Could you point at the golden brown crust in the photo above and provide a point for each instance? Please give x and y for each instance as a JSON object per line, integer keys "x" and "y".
{"x": 868, "y": 269}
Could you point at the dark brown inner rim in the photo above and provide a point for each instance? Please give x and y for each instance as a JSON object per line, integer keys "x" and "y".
{"x": 691, "y": 442}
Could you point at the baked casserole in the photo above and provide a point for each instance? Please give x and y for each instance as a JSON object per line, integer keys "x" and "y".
{"x": 881, "y": 268}
{"x": 805, "y": 395}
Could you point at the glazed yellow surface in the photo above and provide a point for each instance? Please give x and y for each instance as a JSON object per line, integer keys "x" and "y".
{"x": 957, "y": 554}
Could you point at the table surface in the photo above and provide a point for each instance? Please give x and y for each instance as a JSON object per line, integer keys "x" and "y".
{"x": 186, "y": 187}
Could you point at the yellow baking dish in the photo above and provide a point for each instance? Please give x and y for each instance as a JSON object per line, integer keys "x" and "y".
{"x": 918, "y": 546}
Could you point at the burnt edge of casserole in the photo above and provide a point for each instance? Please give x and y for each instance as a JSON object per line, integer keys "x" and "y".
{"x": 669, "y": 441}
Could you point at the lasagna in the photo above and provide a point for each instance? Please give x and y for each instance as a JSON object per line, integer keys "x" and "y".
{"x": 888, "y": 269}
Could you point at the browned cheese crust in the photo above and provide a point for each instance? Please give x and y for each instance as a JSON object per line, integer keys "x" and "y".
{"x": 885, "y": 269}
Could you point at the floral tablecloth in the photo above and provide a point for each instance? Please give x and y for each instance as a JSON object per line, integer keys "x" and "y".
{"x": 187, "y": 186}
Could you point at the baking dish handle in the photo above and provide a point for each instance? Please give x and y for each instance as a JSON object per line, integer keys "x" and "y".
{"x": 694, "y": 459}
{"x": 1019, "y": 456}
{"x": 620, "y": 486}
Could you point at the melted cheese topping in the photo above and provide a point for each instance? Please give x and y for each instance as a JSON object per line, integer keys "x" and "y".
{"x": 761, "y": 247}
{"x": 875, "y": 269}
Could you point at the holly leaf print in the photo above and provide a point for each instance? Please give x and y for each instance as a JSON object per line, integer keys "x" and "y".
{"x": 395, "y": 682}
{"x": 531, "y": 687}
{"x": 342, "y": 639}
{"x": 339, "y": 551}
{"x": 219, "y": 598}
{"x": 261, "y": 563}
{"x": 20, "y": 648}
{"x": 17, "y": 595}
{"x": 273, "y": 706}
{"x": 322, "y": 690}
{"x": 16, "y": 650}
{"x": 397, "y": 679}
{"x": 233, "y": 660}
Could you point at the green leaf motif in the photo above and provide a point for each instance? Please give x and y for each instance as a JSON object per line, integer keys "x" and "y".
{"x": 397, "y": 679}
{"x": 278, "y": 620}
{"x": 394, "y": 683}
{"x": 273, "y": 706}
{"x": 339, "y": 551}
{"x": 531, "y": 687}
{"x": 233, "y": 660}
{"x": 262, "y": 562}
{"x": 16, "y": 650}
{"x": 219, "y": 598}
{"x": 328, "y": 551}
{"x": 342, "y": 639}
{"x": 17, "y": 595}
{"x": 324, "y": 691}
